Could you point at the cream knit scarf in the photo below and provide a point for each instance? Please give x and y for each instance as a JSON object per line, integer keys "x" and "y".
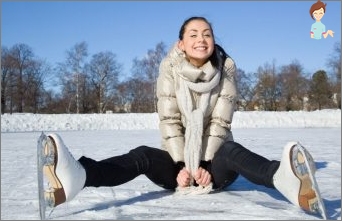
{"x": 194, "y": 123}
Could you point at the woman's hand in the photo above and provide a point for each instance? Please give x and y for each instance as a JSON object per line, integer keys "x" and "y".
{"x": 202, "y": 177}
{"x": 183, "y": 178}
{"x": 329, "y": 32}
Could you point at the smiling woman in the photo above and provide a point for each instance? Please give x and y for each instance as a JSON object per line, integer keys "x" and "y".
{"x": 196, "y": 41}
{"x": 196, "y": 90}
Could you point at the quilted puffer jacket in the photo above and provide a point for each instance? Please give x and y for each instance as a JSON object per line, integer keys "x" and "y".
{"x": 218, "y": 117}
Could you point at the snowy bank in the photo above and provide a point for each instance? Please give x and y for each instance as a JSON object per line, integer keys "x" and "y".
{"x": 134, "y": 121}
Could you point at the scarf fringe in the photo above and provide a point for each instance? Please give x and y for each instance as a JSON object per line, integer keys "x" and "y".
{"x": 194, "y": 190}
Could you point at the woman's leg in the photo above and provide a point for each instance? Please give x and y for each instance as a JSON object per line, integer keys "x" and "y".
{"x": 155, "y": 163}
{"x": 233, "y": 159}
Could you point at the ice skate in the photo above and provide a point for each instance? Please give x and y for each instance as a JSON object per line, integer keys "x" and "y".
{"x": 60, "y": 176}
{"x": 295, "y": 179}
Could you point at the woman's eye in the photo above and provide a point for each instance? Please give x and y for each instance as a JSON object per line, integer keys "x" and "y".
{"x": 193, "y": 36}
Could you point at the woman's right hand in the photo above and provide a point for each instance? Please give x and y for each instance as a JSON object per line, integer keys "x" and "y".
{"x": 183, "y": 178}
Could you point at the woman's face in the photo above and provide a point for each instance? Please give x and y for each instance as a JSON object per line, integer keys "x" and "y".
{"x": 318, "y": 14}
{"x": 197, "y": 43}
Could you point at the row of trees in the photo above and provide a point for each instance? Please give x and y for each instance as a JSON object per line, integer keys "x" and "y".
{"x": 93, "y": 86}
{"x": 289, "y": 88}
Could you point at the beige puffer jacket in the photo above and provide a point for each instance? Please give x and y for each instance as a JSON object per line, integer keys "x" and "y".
{"x": 219, "y": 114}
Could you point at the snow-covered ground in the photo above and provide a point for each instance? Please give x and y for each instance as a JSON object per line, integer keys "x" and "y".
{"x": 103, "y": 135}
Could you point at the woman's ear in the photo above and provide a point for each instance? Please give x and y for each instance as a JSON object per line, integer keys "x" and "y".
{"x": 181, "y": 45}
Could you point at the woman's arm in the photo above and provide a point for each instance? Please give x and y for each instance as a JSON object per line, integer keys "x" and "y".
{"x": 169, "y": 115}
{"x": 218, "y": 130}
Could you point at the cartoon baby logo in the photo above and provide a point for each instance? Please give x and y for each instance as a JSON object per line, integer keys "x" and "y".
{"x": 317, "y": 12}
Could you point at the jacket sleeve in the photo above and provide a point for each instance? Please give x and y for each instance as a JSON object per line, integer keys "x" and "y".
{"x": 170, "y": 125}
{"x": 219, "y": 129}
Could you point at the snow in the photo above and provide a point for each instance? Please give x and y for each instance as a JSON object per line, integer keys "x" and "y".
{"x": 104, "y": 135}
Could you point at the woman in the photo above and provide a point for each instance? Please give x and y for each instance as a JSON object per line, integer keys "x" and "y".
{"x": 317, "y": 12}
{"x": 196, "y": 92}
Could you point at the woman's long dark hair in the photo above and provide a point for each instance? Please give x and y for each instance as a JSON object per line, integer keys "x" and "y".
{"x": 219, "y": 55}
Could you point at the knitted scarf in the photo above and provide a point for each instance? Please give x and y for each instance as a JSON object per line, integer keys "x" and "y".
{"x": 194, "y": 121}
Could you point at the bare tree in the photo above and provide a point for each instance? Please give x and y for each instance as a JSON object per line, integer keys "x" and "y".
{"x": 72, "y": 73}
{"x": 36, "y": 75}
{"x": 22, "y": 79}
{"x": 5, "y": 77}
{"x": 334, "y": 62}
{"x": 267, "y": 88}
{"x": 246, "y": 89}
{"x": 9, "y": 83}
{"x": 123, "y": 97}
{"x": 104, "y": 70}
{"x": 22, "y": 56}
{"x": 147, "y": 70}
{"x": 141, "y": 96}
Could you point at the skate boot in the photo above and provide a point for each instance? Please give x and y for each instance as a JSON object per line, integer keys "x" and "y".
{"x": 295, "y": 179}
{"x": 65, "y": 175}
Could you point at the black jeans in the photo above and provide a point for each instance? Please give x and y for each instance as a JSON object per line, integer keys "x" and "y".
{"x": 229, "y": 161}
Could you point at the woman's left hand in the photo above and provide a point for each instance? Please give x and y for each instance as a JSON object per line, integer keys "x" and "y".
{"x": 202, "y": 177}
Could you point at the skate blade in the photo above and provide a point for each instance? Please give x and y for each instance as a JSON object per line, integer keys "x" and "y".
{"x": 42, "y": 180}
{"x": 50, "y": 190}
{"x": 309, "y": 195}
